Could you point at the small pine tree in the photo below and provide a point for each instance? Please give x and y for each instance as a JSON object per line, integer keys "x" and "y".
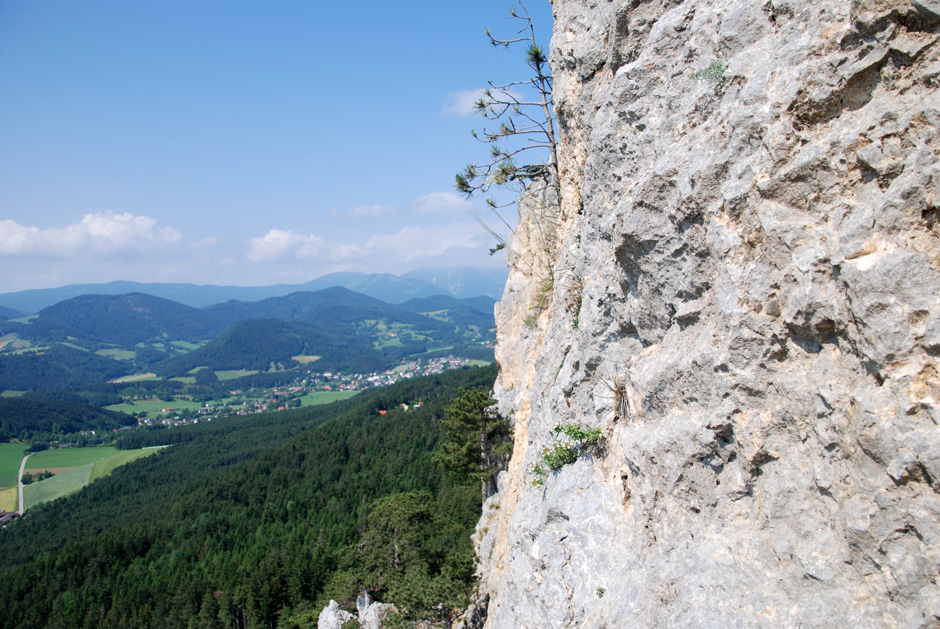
{"x": 526, "y": 122}
{"x": 478, "y": 441}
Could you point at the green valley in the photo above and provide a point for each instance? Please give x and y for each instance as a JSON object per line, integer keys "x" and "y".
{"x": 256, "y": 521}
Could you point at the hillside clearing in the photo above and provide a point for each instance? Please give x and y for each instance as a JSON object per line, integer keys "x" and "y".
{"x": 325, "y": 397}
{"x": 91, "y": 464}
{"x": 137, "y": 378}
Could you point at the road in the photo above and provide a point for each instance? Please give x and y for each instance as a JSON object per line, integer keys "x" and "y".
{"x": 19, "y": 483}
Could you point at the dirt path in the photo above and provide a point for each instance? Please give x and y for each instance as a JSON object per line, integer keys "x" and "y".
{"x": 19, "y": 484}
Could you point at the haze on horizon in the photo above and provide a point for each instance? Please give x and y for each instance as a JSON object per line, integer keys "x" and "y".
{"x": 240, "y": 144}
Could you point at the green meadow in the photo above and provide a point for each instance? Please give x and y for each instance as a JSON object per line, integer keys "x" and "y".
{"x": 89, "y": 465}
{"x": 140, "y": 377}
{"x": 231, "y": 375}
{"x": 325, "y": 397}
{"x": 152, "y": 405}
{"x": 68, "y": 457}
{"x": 117, "y": 354}
{"x": 10, "y": 456}
{"x": 62, "y": 484}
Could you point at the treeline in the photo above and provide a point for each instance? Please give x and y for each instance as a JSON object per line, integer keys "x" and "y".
{"x": 343, "y": 328}
{"x": 57, "y": 367}
{"x": 99, "y": 398}
{"x": 34, "y": 420}
{"x": 259, "y": 344}
{"x": 257, "y": 522}
{"x": 127, "y": 320}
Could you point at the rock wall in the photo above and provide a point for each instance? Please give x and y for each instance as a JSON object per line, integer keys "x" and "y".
{"x": 741, "y": 290}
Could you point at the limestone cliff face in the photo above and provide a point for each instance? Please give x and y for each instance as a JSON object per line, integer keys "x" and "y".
{"x": 748, "y": 249}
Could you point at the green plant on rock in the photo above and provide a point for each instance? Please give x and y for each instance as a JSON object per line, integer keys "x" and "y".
{"x": 544, "y": 294}
{"x": 564, "y": 452}
{"x": 574, "y": 298}
{"x": 714, "y": 74}
{"x": 539, "y": 474}
{"x": 586, "y": 436}
{"x": 559, "y": 455}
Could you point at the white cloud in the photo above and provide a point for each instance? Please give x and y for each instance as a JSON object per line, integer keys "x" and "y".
{"x": 445, "y": 203}
{"x": 101, "y": 233}
{"x": 412, "y": 243}
{"x": 279, "y": 245}
{"x": 437, "y": 203}
{"x": 371, "y": 211}
{"x": 462, "y": 103}
{"x": 456, "y": 243}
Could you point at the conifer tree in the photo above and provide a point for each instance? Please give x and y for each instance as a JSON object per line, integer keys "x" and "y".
{"x": 477, "y": 442}
{"x": 524, "y": 111}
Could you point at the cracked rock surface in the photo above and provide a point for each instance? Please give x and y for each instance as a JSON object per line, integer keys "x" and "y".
{"x": 745, "y": 300}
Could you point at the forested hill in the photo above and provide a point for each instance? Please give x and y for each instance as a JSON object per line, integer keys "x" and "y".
{"x": 8, "y": 313}
{"x": 26, "y": 419}
{"x": 263, "y": 344}
{"x": 57, "y": 367}
{"x": 255, "y": 522}
{"x": 94, "y": 338}
{"x": 128, "y": 319}
{"x": 338, "y": 306}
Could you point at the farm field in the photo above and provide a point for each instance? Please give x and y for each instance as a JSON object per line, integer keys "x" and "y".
{"x": 305, "y": 360}
{"x": 10, "y": 456}
{"x": 105, "y": 466}
{"x": 67, "y": 457}
{"x": 231, "y": 375}
{"x": 8, "y": 499}
{"x": 62, "y": 484}
{"x": 75, "y": 468}
{"x": 138, "y": 377}
{"x": 152, "y": 405}
{"x": 117, "y": 354}
{"x": 325, "y": 397}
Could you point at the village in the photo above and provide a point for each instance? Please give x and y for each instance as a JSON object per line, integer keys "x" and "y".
{"x": 308, "y": 389}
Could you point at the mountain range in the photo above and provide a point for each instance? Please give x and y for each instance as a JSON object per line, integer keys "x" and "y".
{"x": 394, "y": 289}
{"x": 92, "y": 338}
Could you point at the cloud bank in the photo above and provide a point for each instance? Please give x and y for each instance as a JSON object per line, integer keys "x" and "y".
{"x": 98, "y": 234}
{"x": 436, "y": 229}
{"x": 435, "y": 203}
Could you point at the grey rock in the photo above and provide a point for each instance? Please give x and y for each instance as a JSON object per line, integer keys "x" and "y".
{"x": 760, "y": 277}
{"x": 333, "y": 617}
{"x": 370, "y": 614}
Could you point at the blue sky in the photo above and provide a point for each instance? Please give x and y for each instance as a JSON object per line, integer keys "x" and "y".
{"x": 241, "y": 142}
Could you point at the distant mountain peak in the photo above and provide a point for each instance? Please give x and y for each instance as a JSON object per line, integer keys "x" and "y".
{"x": 394, "y": 289}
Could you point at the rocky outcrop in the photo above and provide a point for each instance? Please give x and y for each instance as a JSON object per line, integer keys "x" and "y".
{"x": 740, "y": 288}
{"x": 370, "y": 614}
